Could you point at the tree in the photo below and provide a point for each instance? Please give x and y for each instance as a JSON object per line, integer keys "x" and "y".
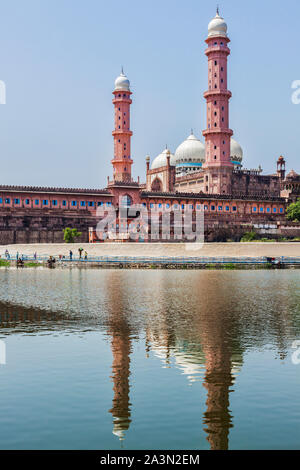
{"x": 70, "y": 234}
{"x": 249, "y": 236}
{"x": 293, "y": 211}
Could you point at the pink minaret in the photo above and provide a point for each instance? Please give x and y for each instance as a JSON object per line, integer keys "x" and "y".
{"x": 122, "y": 134}
{"x": 217, "y": 134}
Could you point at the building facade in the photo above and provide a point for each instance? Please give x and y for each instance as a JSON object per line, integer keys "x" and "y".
{"x": 199, "y": 176}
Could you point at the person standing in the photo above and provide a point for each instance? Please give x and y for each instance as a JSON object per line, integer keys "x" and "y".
{"x": 85, "y": 255}
{"x": 71, "y": 255}
{"x": 80, "y": 250}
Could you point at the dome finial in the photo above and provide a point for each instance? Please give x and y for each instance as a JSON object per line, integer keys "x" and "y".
{"x": 192, "y": 132}
{"x": 217, "y": 26}
{"x": 122, "y": 82}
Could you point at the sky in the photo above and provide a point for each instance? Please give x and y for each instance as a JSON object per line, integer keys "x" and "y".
{"x": 59, "y": 60}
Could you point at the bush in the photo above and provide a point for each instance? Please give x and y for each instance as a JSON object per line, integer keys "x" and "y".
{"x": 70, "y": 234}
{"x": 249, "y": 237}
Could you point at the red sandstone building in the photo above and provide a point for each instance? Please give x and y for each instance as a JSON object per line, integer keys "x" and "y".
{"x": 197, "y": 177}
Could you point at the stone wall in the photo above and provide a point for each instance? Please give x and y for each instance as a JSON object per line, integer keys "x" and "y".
{"x": 251, "y": 182}
{"x": 41, "y": 228}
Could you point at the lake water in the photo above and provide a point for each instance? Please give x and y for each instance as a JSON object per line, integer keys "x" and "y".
{"x": 149, "y": 359}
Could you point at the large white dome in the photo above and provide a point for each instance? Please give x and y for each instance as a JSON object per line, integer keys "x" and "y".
{"x": 217, "y": 26}
{"x": 236, "y": 151}
{"x": 191, "y": 150}
{"x": 161, "y": 160}
{"x": 122, "y": 82}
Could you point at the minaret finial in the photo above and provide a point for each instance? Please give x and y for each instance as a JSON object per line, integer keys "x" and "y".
{"x": 218, "y": 10}
{"x": 122, "y": 71}
{"x": 192, "y": 132}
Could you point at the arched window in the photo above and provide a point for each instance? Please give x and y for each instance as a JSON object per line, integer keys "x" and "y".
{"x": 156, "y": 185}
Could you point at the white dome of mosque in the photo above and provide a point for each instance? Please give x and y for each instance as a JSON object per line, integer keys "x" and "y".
{"x": 191, "y": 150}
{"x": 236, "y": 151}
{"x": 122, "y": 82}
{"x": 161, "y": 160}
{"x": 217, "y": 26}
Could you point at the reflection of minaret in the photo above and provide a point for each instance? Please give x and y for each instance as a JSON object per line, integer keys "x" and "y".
{"x": 121, "y": 349}
{"x": 218, "y": 380}
{"x": 120, "y": 332}
{"x": 209, "y": 341}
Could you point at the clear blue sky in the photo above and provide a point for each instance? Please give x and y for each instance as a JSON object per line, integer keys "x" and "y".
{"x": 59, "y": 60}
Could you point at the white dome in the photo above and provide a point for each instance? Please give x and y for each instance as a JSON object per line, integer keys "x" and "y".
{"x": 122, "y": 82}
{"x": 236, "y": 151}
{"x": 191, "y": 150}
{"x": 161, "y": 160}
{"x": 217, "y": 26}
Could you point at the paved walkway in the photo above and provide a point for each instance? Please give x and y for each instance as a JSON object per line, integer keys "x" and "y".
{"x": 154, "y": 250}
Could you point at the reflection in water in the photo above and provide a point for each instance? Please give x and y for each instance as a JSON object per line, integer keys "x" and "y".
{"x": 119, "y": 329}
{"x": 192, "y": 323}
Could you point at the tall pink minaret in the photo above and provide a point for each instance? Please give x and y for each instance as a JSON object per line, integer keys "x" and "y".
{"x": 122, "y": 134}
{"x": 217, "y": 134}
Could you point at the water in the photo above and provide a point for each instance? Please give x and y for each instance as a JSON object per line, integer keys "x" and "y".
{"x": 142, "y": 359}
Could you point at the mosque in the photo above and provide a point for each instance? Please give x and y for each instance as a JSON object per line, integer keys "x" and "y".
{"x": 206, "y": 175}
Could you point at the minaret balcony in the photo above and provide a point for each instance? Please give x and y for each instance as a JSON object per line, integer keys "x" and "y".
{"x": 212, "y": 49}
{"x": 121, "y": 132}
{"x": 217, "y": 92}
{"x": 217, "y": 130}
{"x": 122, "y": 99}
{"x": 122, "y": 160}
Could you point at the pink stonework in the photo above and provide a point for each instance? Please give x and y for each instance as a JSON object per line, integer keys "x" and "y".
{"x": 217, "y": 134}
{"x": 122, "y": 160}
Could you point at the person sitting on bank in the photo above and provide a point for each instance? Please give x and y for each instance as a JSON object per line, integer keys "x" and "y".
{"x": 51, "y": 261}
{"x": 20, "y": 262}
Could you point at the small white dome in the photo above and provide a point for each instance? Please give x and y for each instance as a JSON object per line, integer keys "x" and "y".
{"x": 122, "y": 82}
{"x": 161, "y": 160}
{"x": 236, "y": 151}
{"x": 217, "y": 26}
{"x": 191, "y": 150}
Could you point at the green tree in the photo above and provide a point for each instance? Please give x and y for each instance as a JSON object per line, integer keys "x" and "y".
{"x": 70, "y": 234}
{"x": 293, "y": 211}
{"x": 249, "y": 236}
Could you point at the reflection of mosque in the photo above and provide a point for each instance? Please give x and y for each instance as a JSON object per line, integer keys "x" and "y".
{"x": 205, "y": 354}
{"x": 205, "y": 345}
{"x": 205, "y": 341}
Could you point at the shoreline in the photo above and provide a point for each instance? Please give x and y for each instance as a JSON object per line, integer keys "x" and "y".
{"x": 238, "y": 256}
{"x": 158, "y": 250}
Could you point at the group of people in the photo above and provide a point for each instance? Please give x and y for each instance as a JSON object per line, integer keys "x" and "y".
{"x": 21, "y": 258}
{"x": 80, "y": 251}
